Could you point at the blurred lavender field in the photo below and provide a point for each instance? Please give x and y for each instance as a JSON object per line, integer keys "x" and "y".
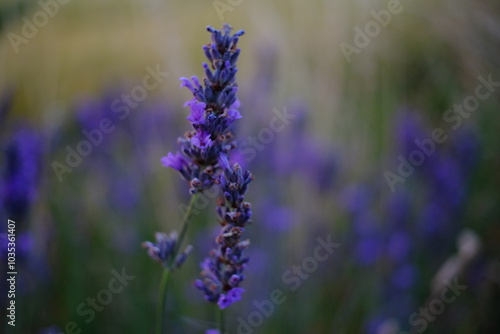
{"x": 371, "y": 128}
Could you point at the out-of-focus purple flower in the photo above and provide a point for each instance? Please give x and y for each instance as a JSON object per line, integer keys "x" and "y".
{"x": 434, "y": 220}
{"x": 398, "y": 246}
{"x": 404, "y": 277}
{"x": 90, "y": 111}
{"x": 441, "y": 184}
{"x": 51, "y": 330}
{"x": 21, "y": 173}
{"x": 230, "y": 297}
{"x": 164, "y": 250}
{"x": 368, "y": 244}
{"x": 212, "y": 331}
{"x": 278, "y": 218}
{"x": 373, "y": 324}
{"x": 447, "y": 182}
{"x": 356, "y": 199}
{"x": 409, "y": 129}
{"x": 123, "y": 192}
{"x": 399, "y": 210}
{"x": 366, "y": 224}
{"x": 368, "y": 250}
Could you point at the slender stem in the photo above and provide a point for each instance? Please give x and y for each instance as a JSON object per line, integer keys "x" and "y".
{"x": 185, "y": 225}
{"x": 166, "y": 271}
{"x": 222, "y": 322}
{"x": 165, "y": 277}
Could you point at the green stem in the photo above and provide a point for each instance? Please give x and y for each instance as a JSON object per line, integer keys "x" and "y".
{"x": 166, "y": 271}
{"x": 185, "y": 225}
{"x": 222, "y": 322}
{"x": 165, "y": 277}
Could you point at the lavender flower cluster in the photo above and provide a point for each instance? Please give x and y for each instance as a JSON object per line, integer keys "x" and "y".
{"x": 212, "y": 110}
{"x": 164, "y": 250}
{"x": 203, "y": 161}
{"x": 223, "y": 270}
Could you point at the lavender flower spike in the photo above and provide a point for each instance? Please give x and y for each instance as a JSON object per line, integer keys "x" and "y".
{"x": 204, "y": 161}
{"x": 212, "y": 110}
{"x": 222, "y": 272}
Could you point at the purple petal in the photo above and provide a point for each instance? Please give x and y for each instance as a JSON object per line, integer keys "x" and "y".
{"x": 233, "y": 114}
{"x": 223, "y": 161}
{"x": 236, "y": 293}
{"x": 212, "y": 331}
{"x": 224, "y": 301}
{"x": 201, "y": 140}
{"x": 176, "y": 161}
{"x": 232, "y": 296}
{"x": 196, "y": 82}
{"x": 197, "y": 111}
{"x": 186, "y": 83}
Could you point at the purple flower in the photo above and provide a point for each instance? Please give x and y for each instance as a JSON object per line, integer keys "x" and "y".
{"x": 224, "y": 161}
{"x": 399, "y": 246}
{"x": 277, "y": 218}
{"x": 368, "y": 250}
{"x": 404, "y": 277}
{"x": 357, "y": 199}
{"x": 187, "y": 83}
{"x": 233, "y": 113}
{"x": 231, "y": 297}
{"x": 212, "y": 331}
{"x": 222, "y": 271}
{"x": 164, "y": 250}
{"x": 176, "y": 161}
{"x": 51, "y": 330}
{"x": 19, "y": 186}
{"x": 203, "y": 162}
{"x": 202, "y": 140}
{"x": 197, "y": 115}
{"x": 213, "y": 108}
{"x": 409, "y": 128}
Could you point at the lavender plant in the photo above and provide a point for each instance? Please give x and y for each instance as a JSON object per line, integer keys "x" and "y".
{"x": 203, "y": 161}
